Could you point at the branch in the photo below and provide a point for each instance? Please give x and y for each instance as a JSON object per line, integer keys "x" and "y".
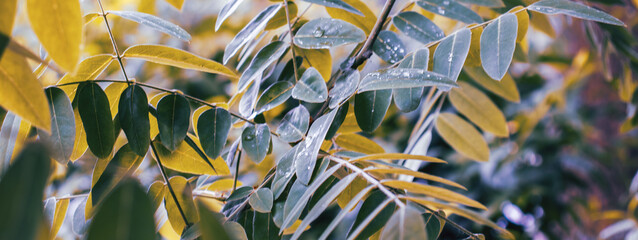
{"x": 366, "y": 50}
{"x": 117, "y": 52}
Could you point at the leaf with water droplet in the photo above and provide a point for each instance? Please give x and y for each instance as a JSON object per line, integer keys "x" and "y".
{"x": 311, "y": 87}
{"x": 250, "y": 31}
{"x": 408, "y": 99}
{"x": 418, "y": 27}
{"x": 340, "y": 4}
{"x": 345, "y": 86}
{"x": 294, "y": 124}
{"x": 450, "y": 9}
{"x": 267, "y": 55}
{"x": 327, "y": 33}
{"x": 403, "y": 78}
{"x": 154, "y": 22}
{"x": 389, "y": 47}
{"x": 573, "y": 9}
{"x": 451, "y": 53}
{"x": 306, "y": 155}
{"x": 498, "y": 42}
{"x": 273, "y": 96}
{"x": 255, "y": 140}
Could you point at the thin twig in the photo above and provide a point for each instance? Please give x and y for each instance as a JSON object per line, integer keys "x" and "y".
{"x": 292, "y": 46}
{"x": 117, "y": 52}
{"x": 168, "y": 184}
{"x": 366, "y": 50}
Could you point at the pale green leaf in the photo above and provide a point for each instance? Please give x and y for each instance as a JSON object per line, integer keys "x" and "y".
{"x": 418, "y": 27}
{"x": 273, "y": 96}
{"x": 450, "y": 9}
{"x": 573, "y": 9}
{"x": 250, "y": 31}
{"x": 406, "y": 223}
{"x": 266, "y": 56}
{"x": 394, "y": 78}
{"x": 498, "y": 42}
{"x": 326, "y": 33}
{"x": 294, "y": 125}
{"x": 311, "y": 87}
{"x": 261, "y": 200}
{"x": 155, "y": 22}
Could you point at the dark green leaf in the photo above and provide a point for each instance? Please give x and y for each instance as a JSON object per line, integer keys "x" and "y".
{"x": 418, "y": 27}
{"x": 274, "y": 95}
{"x": 340, "y": 4}
{"x": 133, "y": 116}
{"x": 154, "y": 22}
{"x": 211, "y": 227}
{"x": 573, "y": 9}
{"x": 255, "y": 140}
{"x": 336, "y": 123}
{"x": 375, "y": 211}
{"x": 240, "y": 193}
{"x": 311, "y": 87}
{"x": 389, "y": 47}
{"x": 450, "y": 9}
{"x": 370, "y": 108}
{"x": 124, "y": 163}
{"x": 173, "y": 116}
{"x": 294, "y": 125}
{"x": 433, "y": 225}
{"x": 95, "y": 113}
{"x": 306, "y": 156}
{"x": 264, "y": 227}
{"x": 62, "y": 135}
{"x": 394, "y": 78}
{"x": 213, "y": 127}
{"x": 408, "y": 99}
{"x": 267, "y": 55}
{"x": 498, "y": 42}
{"x": 327, "y": 33}
{"x": 4, "y": 42}
{"x": 250, "y": 31}
{"x": 261, "y": 200}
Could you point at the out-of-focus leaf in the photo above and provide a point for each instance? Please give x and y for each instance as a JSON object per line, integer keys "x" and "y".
{"x": 358, "y": 143}
{"x": 370, "y": 108}
{"x": 176, "y": 3}
{"x": 408, "y": 100}
{"x": 477, "y": 107}
{"x": 184, "y": 194}
{"x": 405, "y": 223}
{"x": 340, "y": 4}
{"x": 393, "y": 78}
{"x": 21, "y": 92}
{"x": 396, "y": 156}
{"x": 22, "y": 191}
{"x": 523, "y": 22}
{"x": 267, "y": 55}
{"x": 450, "y": 54}
{"x": 229, "y": 8}
{"x": 435, "y": 192}
{"x": 261, "y": 200}
{"x": 365, "y": 22}
{"x": 389, "y": 47}
{"x": 211, "y": 227}
{"x": 89, "y": 69}
{"x": 133, "y": 115}
{"x": 345, "y": 86}
{"x": 61, "y": 207}
{"x": 186, "y": 159}
{"x": 462, "y": 136}
{"x": 274, "y": 95}
{"x": 155, "y": 22}
{"x": 255, "y": 140}
{"x": 311, "y": 87}
{"x": 95, "y": 111}
{"x": 58, "y": 25}
{"x": 176, "y": 58}
{"x": 319, "y": 59}
{"x": 374, "y": 213}
{"x": 7, "y": 17}
{"x": 126, "y": 213}
{"x": 498, "y": 42}
{"x": 250, "y": 31}
{"x": 306, "y": 156}
{"x": 280, "y": 20}
{"x": 450, "y": 9}
{"x": 326, "y": 33}
{"x": 173, "y": 113}
{"x": 212, "y": 128}
{"x": 62, "y": 136}
{"x": 124, "y": 163}
{"x": 506, "y": 88}
{"x": 294, "y": 125}
{"x": 573, "y": 9}
{"x": 418, "y": 27}
{"x": 4, "y": 41}
{"x": 156, "y": 193}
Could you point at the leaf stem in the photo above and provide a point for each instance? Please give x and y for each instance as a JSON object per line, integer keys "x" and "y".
{"x": 117, "y": 52}
{"x": 292, "y": 45}
{"x": 168, "y": 184}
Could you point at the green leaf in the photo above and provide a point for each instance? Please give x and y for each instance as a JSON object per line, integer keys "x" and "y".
{"x": 450, "y": 54}
{"x": 266, "y": 56}
{"x": 450, "y": 9}
{"x": 95, "y": 112}
{"x": 250, "y": 31}
{"x": 462, "y": 137}
{"x": 389, "y": 47}
{"x": 418, "y": 27}
{"x": 327, "y": 33}
{"x": 210, "y": 224}
{"x": 342, "y": 214}
{"x": 4, "y": 41}
{"x": 393, "y": 78}
{"x": 176, "y": 58}
{"x": 306, "y": 156}
{"x": 212, "y": 128}
{"x": 345, "y": 86}
{"x": 285, "y": 171}
{"x": 311, "y": 87}
{"x": 294, "y": 125}
{"x": 406, "y": 223}
{"x": 240, "y": 193}
{"x": 433, "y": 225}
{"x": 255, "y": 140}
{"x": 62, "y": 136}
{"x": 126, "y": 213}
{"x": 372, "y": 216}
{"x": 22, "y": 190}
{"x": 154, "y": 22}
{"x": 370, "y": 108}
{"x": 228, "y": 9}
{"x": 273, "y": 96}
{"x": 184, "y": 194}
{"x": 339, "y": 4}
{"x": 506, "y": 88}
{"x": 573, "y": 9}
{"x": 261, "y": 200}
{"x": 123, "y": 164}
{"x": 479, "y": 109}
{"x": 408, "y": 99}
{"x": 133, "y": 116}
{"x": 248, "y": 100}
{"x": 498, "y": 42}
{"x": 58, "y": 25}
{"x": 173, "y": 113}
{"x": 341, "y": 115}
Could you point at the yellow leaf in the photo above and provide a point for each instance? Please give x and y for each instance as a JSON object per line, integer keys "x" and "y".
{"x": 357, "y": 185}
{"x": 21, "y": 139}
{"x": 58, "y": 25}
{"x": 506, "y": 88}
{"x": 523, "y": 21}
{"x": 320, "y": 59}
{"x": 79, "y": 145}
{"x": 541, "y": 23}
{"x": 113, "y": 93}
{"x": 280, "y": 17}
{"x": 365, "y": 22}
{"x": 61, "y": 207}
{"x": 176, "y": 58}
{"x": 462, "y": 137}
{"x": 223, "y": 185}
{"x": 153, "y": 120}
{"x": 167, "y": 232}
{"x": 349, "y": 124}
{"x": 358, "y": 143}
{"x": 294, "y": 227}
{"x": 89, "y": 69}
{"x": 21, "y": 92}
{"x": 176, "y": 3}
{"x": 185, "y": 159}
{"x": 397, "y": 156}
{"x": 7, "y": 16}
{"x": 435, "y": 192}
{"x": 474, "y": 55}
{"x": 183, "y": 193}
{"x": 415, "y": 174}
{"x": 477, "y": 107}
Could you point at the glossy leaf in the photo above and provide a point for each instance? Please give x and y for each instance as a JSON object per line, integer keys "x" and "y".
{"x": 573, "y": 9}
{"x": 249, "y": 99}
{"x": 250, "y": 31}
{"x": 450, "y": 54}
{"x": 294, "y": 125}
{"x": 506, "y": 88}
{"x": 345, "y": 86}
{"x": 21, "y": 92}
{"x": 133, "y": 116}
{"x": 340, "y": 117}
{"x": 405, "y": 223}
{"x": 389, "y": 47}
{"x": 184, "y": 195}
{"x": 365, "y": 22}
{"x": 327, "y": 33}
{"x": 126, "y": 213}
{"x": 22, "y": 189}
{"x": 240, "y": 193}
{"x": 479, "y": 109}
{"x": 418, "y": 27}
{"x": 155, "y": 22}
{"x": 408, "y": 100}
{"x": 435, "y": 192}
{"x": 212, "y": 128}
{"x": 266, "y": 56}
{"x": 173, "y": 113}
{"x": 498, "y": 42}
{"x": 62, "y": 136}
{"x": 58, "y": 25}
{"x": 370, "y": 108}
{"x": 394, "y": 78}
{"x": 306, "y": 155}
{"x": 462, "y": 136}
{"x": 311, "y": 87}
{"x": 123, "y": 164}
{"x": 340, "y": 4}
{"x": 261, "y": 200}
{"x": 273, "y": 96}
{"x": 255, "y": 140}
{"x": 372, "y": 216}
{"x": 95, "y": 112}
{"x": 176, "y": 58}
{"x": 229, "y": 8}
{"x": 450, "y": 9}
